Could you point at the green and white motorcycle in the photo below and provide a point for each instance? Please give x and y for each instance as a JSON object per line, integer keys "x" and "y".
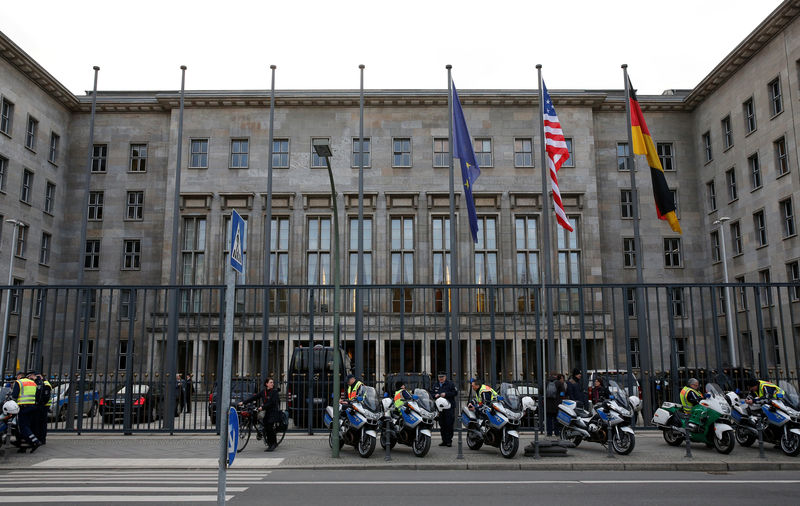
{"x": 709, "y": 422}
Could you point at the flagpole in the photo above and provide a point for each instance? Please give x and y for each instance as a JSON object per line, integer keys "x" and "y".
{"x": 268, "y": 236}
{"x": 359, "y": 352}
{"x": 453, "y": 299}
{"x": 546, "y": 265}
{"x": 641, "y": 324}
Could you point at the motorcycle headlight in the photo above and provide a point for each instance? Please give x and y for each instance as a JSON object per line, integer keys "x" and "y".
{"x": 513, "y": 415}
{"x": 624, "y": 412}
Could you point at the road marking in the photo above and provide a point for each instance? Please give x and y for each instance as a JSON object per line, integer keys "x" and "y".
{"x": 102, "y": 463}
{"x": 143, "y": 489}
{"x": 525, "y": 482}
{"x": 164, "y": 499}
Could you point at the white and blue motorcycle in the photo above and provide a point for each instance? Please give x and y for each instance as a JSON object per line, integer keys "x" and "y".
{"x": 358, "y": 422}
{"x": 497, "y": 425}
{"x": 778, "y": 419}
{"x": 411, "y": 426}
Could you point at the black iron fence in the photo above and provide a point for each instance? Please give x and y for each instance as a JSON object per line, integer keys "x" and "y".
{"x": 107, "y": 349}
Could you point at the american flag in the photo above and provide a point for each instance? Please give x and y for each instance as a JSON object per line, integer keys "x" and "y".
{"x": 557, "y": 153}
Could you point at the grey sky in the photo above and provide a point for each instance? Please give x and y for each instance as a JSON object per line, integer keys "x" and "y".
{"x": 319, "y": 44}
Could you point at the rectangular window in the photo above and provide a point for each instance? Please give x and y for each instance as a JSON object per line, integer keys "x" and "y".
{"x": 527, "y": 251}
{"x": 775, "y": 96}
{"x": 357, "y": 152}
{"x": 99, "y": 158}
{"x": 781, "y": 156}
{"x": 16, "y": 296}
{"x": 667, "y": 156}
{"x": 138, "y": 158}
{"x": 89, "y": 353}
{"x": 6, "y": 116}
{"x": 569, "y": 162}
{"x": 626, "y": 203}
{"x": 709, "y": 154}
{"x": 622, "y": 156}
{"x": 240, "y": 153}
{"x": 279, "y": 263}
{"x": 787, "y": 217}
{"x": 127, "y": 304}
{"x": 672, "y": 252}
{"x": 721, "y": 298}
{"x": 30, "y": 133}
{"x": 441, "y": 152}
{"x": 402, "y": 262}
{"x": 630, "y": 301}
{"x": 22, "y": 241}
{"x": 755, "y": 171}
{"x": 193, "y": 265}
{"x": 727, "y": 133}
{"x": 3, "y": 173}
{"x": 483, "y": 152}
{"x": 736, "y": 238}
{"x": 91, "y": 255}
{"x": 95, "y": 206}
{"x": 353, "y": 251}
{"x": 52, "y": 155}
{"x": 135, "y": 207}
{"x": 766, "y": 290}
{"x": 742, "y": 295}
{"x": 749, "y": 110}
{"x": 27, "y": 186}
{"x": 44, "y": 251}
{"x": 569, "y": 263}
{"x": 441, "y": 259}
{"x": 401, "y": 152}
{"x": 132, "y": 255}
{"x": 39, "y": 305}
{"x": 711, "y": 194}
{"x": 793, "y": 276}
{"x": 730, "y": 176}
{"x": 280, "y": 153}
{"x": 760, "y": 225}
{"x": 318, "y": 162}
{"x": 674, "y": 194}
{"x": 49, "y": 197}
{"x": 485, "y": 259}
{"x": 122, "y": 357}
{"x": 199, "y": 154}
{"x": 318, "y": 247}
{"x": 628, "y": 252}
{"x": 678, "y": 307}
{"x": 716, "y": 256}
{"x": 523, "y": 152}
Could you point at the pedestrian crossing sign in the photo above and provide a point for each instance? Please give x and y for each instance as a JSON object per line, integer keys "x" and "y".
{"x": 237, "y": 236}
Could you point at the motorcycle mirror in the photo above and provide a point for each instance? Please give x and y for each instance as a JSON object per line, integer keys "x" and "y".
{"x": 737, "y": 391}
{"x": 385, "y": 394}
{"x": 359, "y": 398}
{"x": 708, "y": 395}
{"x": 500, "y": 398}
{"x": 779, "y": 395}
{"x": 415, "y": 397}
{"x": 611, "y": 397}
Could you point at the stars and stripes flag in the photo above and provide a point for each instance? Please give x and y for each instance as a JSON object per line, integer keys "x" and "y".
{"x": 557, "y": 154}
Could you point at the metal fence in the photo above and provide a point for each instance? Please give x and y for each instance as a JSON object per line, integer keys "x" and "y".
{"x": 107, "y": 347}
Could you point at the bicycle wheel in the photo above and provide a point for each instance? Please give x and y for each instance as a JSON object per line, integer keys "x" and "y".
{"x": 280, "y": 432}
{"x": 245, "y": 428}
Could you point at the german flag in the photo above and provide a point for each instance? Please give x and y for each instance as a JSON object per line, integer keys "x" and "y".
{"x": 643, "y": 145}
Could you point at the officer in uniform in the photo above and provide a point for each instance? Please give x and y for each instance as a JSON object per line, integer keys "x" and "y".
{"x": 401, "y": 396}
{"x": 44, "y": 400}
{"x": 24, "y": 392}
{"x": 483, "y": 395}
{"x": 444, "y": 388}
{"x": 354, "y": 389}
{"x": 762, "y": 389}
{"x": 690, "y": 395}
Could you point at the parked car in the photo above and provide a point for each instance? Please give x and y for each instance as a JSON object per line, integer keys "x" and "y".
{"x": 321, "y": 384}
{"x": 64, "y": 393}
{"x": 147, "y": 403}
{"x": 241, "y": 388}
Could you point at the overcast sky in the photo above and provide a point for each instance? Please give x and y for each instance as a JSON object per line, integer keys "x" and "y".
{"x": 139, "y": 45}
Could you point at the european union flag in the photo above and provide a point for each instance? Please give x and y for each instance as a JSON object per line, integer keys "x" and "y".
{"x": 462, "y": 149}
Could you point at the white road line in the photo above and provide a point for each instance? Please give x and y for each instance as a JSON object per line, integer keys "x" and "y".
{"x": 142, "y": 489}
{"x": 106, "y": 463}
{"x": 164, "y": 499}
{"x": 527, "y": 482}
{"x": 128, "y": 481}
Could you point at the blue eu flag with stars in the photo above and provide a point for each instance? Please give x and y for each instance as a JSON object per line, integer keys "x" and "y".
{"x": 462, "y": 149}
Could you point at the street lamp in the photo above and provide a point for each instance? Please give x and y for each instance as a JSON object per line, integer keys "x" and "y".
{"x": 16, "y": 224}
{"x": 324, "y": 151}
{"x": 728, "y": 313}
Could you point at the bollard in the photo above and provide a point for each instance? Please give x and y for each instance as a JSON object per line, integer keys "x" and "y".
{"x": 610, "y": 454}
{"x": 688, "y": 443}
{"x": 761, "y": 442}
{"x": 387, "y": 433}
{"x": 536, "y": 435}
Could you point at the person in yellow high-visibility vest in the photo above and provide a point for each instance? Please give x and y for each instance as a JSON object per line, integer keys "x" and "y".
{"x": 24, "y": 392}
{"x": 482, "y": 395}
{"x": 401, "y": 396}
{"x": 760, "y": 389}
{"x": 690, "y": 395}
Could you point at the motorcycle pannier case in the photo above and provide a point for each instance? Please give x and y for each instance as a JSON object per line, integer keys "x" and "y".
{"x": 661, "y": 417}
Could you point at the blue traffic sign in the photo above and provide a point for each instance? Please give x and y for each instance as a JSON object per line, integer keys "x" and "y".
{"x": 233, "y": 434}
{"x": 237, "y": 242}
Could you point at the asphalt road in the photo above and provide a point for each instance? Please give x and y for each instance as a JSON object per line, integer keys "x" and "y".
{"x": 443, "y": 488}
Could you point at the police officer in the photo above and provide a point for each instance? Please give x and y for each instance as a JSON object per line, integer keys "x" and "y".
{"x": 354, "y": 389}
{"x": 445, "y": 389}
{"x": 690, "y": 395}
{"x": 24, "y": 392}
{"x": 762, "y": 389}
{"x": 483, "y": 395}
{"x": 401, "y": 396}
{"x": 44, "y": 400}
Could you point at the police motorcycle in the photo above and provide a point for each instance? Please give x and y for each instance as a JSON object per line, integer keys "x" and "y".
{"x": 708, "y": 422}
{"x": 8, "y": 419}
{"x": 778, "y": 419}
{"x": 412, "y": 426}
{"x": 498, "y": 424}
{"x": 358, "y": 422}
{"x": 614, "y": 414}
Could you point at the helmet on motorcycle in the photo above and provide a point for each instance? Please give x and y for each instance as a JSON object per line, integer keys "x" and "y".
{"x": 442, "y": 404}
{"x": 10, "y": 408}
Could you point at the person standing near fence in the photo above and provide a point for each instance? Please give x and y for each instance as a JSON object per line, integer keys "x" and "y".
{"x": 445, "y": 389}
{"x": 269, "y": 412}
{"x": 188, "y": 390}
{"x": 24, "y": 392}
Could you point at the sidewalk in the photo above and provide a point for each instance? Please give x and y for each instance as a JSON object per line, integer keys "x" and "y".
{"x": 186, "y": 451}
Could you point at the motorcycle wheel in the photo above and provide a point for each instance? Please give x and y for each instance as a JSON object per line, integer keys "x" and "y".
{"x": 575, "y": 440}
{"x": 509, "y": 447}
{"x": 623, "y": 442}
{"x": 330, "y": 440}
{"x": 726, "y": 444}
{"x": 391, "y": 445}
{"x": 744, "y": 437}
{"x": 422, "y": 445}
{"x": 790, "y": 445}
{"x": 673, "y": 438}
{"x": 473, "y": 442}
{"x": 366, "y": 446}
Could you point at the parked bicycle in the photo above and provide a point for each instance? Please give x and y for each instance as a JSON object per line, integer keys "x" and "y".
{"x": 249, "y": 423}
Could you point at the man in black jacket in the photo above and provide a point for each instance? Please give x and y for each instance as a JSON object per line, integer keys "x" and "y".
{"x": 444, "y": 388}
{"x": 575, "y": 390}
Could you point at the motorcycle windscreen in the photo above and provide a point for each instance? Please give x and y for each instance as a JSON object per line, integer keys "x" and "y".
{"x": 790, "y": 394}
{"x": 370, "y": 399}
{"x": 424, "y": 399}
{"x": 619, "y": 394}
{"x": 511, "y": 398}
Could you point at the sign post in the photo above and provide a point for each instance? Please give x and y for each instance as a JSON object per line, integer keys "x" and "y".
{"x": 224, "y": 400}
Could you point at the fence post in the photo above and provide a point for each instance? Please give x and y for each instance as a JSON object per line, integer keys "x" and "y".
{"x": 310, "y": 361}
{"x": 493, "y": 353}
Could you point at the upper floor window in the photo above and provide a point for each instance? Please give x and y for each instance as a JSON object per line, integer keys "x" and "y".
{"x": 622, "y": 156}
{"x": 402, "y": 262}
{"x": 628, "y": 252}
{"x": 132, "y": 254}
{"x": 99, "y": 157}
{"x": 22, "y": 240}
{"x": 667, "y": 156}
{"x": 138, "y": 158}
{"x": 755, "y": 171}
{"x": 3, "y": 173}
{"x": 199, "y": 154}
{"x": 6, "y": 115}
{"x": 318, "y": 162}
{"x": 318, "y": 251}
{"x": 730, "y": 176}
{"x": 279, "y": 251}
{"x": 49, "y": 197}
{"x": 240, "y": 153}
{"x": 95, "y": 206}
{"x": 52, "y": 155}
{"x": 760, "y": 225}
{"x": 91, "y": 255}
{"x": 401, "y": 152}
{"x": 358, "y": 152}
{"x": 483, "y": 152}
{"x": 523, "y": 152}
{"x": 781, "y": 156}
{"x": 569, "y": 253}
{"x": 787, "y": 216}
{"x": 727, "y": 132}
{"x": 736, "y": 238}
{"x": 31, "y": 132}
{"x": 626, "y": 203}
{"x": 672, "y": 252}
{"x": 135, "y": 207}
{"x": 27, "y": 186}
{"x": 793, "y": 276}
{"x": 44, "y": 251}
{"x": 280, "y": 153}
{"x": 486, "y": 251}
{"x": 711, "y": 194}
{"x": 569, "y": 162}
{"x": 708, "y": 153}
{"x": 441, "y": 152}
{"x": 353, "y": 251}
{"x": 716, "y": 256}
{"x": 749, "y": 111}
{"x": 775, "y": 96}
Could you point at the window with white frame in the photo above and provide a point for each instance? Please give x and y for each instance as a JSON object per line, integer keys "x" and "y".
{"x": 760, "y": 226}
{"x": 280, "y": 153}
{"x": 622, "y": 156}
{"x": 15, "y": 302}
{"x": 569, "y": 262}
{"x": 96, "y": 205}
{"x": 485, "y": 259}
{"x": 240, "y": 153}
{"x": 678, "y": 306}
{"x": 198, "y": 158}
{"x": 279, "y": 263}
{"x": 353, "y": 260}
{"x": 736, "y": 238}
{"x": 781, "y": 156}
{"x": 630, "y": 301}
{"x": 52, "y": 154}
{"x": 27, "y": 186}
{"x": 628, "y": 252}
{"x": 716, "y": 256}
{"x": 730, "y": 177}
{"x": 441, "y": 152}
{"x": 766, "y": 291}
{"x": 742, "y": 295}
{"x": 39, "y": 304}
{"x": 135, "y": 208}
{"x": 193, "y": 261}
{"x": 526, "y": 242}
{"x": 3, "y": 173}
{"x": 357, "y": 152}
{"x": 6, "y": 115}
{"x": 775, "y": 96}
{"x": 523, "y": 152}
{"x": 44, "y": 250}
{"x": 755, "y": 171}
{"x": 99, "y": 158}
{"x": 138, "y": 158}
{"x": 127, "y": 304}
{"x": 22, "y": 241}
{"x": 749, "y": 111}
{"x": 787, "y": 217}
{"x": 793, "y": 276}
{"x": 483, "y": 152}
{"x": 318, "y": 162}
{"x": 401, "y": 152}
{"x": 727, "y": 132}
{"x": 707, "y": 151}
{"x": 672, "y": 252}
{"x": 49, "y": 197}
{"x": 402, "y": 262}
{"x": 91, "y": 255}
{"x": 122, "y": 355}
{"x": 666, "y": 154}
{"x": 711, "y": 194}
{"x": 626, "y": 203}
{"x": 31, "y": 132}
{"x": 132, "y": 254}
{"x": 570, "y": 161}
